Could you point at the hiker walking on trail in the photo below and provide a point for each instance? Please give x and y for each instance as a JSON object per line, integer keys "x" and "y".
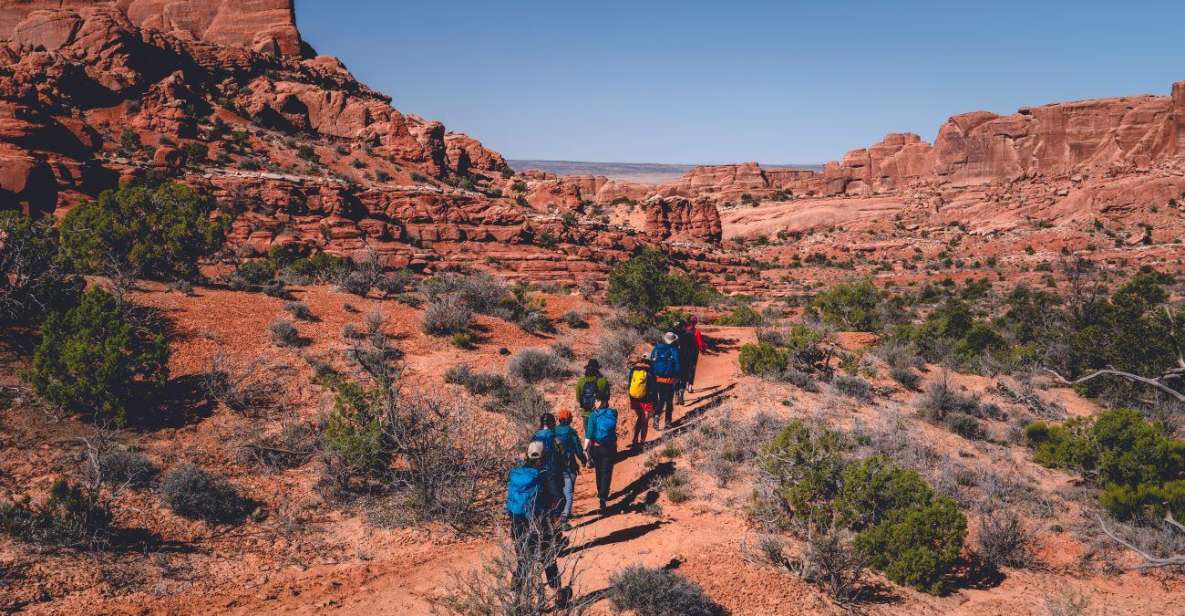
{"x": 573, "y": 457}
{"x": 664, "y": 364}
{"x": 641, "y": 393}
{"x": 691, "y": 344}
{"x": 601, "y": 432}
{"x": 528, "y": 503}
{"x": 590, "y": 388}
{"x": 553, "y": 459}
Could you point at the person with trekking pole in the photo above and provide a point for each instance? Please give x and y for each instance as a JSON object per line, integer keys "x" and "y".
{"x": 573, "y": 457}
{"x": 601, "y": 434}
{"x": 529, "y": 502}
{"x": 641, "y": 393}
{"x": 664, "y": 364}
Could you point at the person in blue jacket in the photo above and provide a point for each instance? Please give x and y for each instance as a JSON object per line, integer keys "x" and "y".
{"x": 529, "y": 504}
{"x": 666, "y": 368}
{"x": 601, "y": 432}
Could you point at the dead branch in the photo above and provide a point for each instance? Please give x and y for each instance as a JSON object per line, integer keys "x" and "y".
{"x": 1151, "y": 561}
{"x": 1157, "y": 382}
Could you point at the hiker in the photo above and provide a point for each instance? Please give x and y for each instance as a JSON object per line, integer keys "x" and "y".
{"x": 553, "y": 459}
{"x": 600, "y": 430}
{"x": 589, "y": 389}
{"x": 573, "y": 457}
{"x": 664, "y": 364}
{"x": 528, "y": 501}
{"x": 641, "y": 393}
{"x": 691, "y": 344}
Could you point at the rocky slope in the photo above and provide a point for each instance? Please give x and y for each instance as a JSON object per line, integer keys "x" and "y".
{"x": 225, "y": 95}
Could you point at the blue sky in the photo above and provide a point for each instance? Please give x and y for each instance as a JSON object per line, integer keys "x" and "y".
{"x": 705, "y": 82}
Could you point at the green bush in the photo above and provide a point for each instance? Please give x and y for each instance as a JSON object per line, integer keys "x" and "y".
{"x": 352, "y": 440}
{"x": 94, "y": 360}
{"x": 762, "y": 359}
{"x": 644, "y": 286}
{"x": 1139, "y": 467}
{"x": 158, "y": 233}
{"x": 447, "y": 315}
{"x": 902, "y": 528}
{"x": 535, "y": 365}
{"x": 742, "y": 316}
{"x": 851, "y": 305}
{"x": 920, "y": 548}
{"x": 33, "y": 280}
{"x": 649, "y": 591}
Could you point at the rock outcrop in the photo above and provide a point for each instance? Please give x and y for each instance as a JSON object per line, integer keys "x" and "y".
{"x": 267, "y": 26}
{"x": 679, "y": 218}
{"x": 223, "y": 95}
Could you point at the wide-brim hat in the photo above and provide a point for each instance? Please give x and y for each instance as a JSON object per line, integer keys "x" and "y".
{"x": 669, "y": 338}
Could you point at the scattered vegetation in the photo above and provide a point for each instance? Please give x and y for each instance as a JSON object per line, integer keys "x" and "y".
{"x": 535, "y": 365}
{"x": 98, "y": 360}
{"x": 658, "y": 592}
{"x": 193, "y": 493}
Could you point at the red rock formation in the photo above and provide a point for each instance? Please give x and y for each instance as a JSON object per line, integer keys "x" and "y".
{"x": 682, "y": 219}
{"x": 267, "y": 26}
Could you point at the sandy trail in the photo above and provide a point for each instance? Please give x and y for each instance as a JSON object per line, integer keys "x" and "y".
{"x": 404, "y": 584}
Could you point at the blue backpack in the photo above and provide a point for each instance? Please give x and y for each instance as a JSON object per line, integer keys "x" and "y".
{"x": 553, "y": 451}
{"x": 522, "y": 491}
{"x": 664, "y": 361}
{"x": 603, "y": 425}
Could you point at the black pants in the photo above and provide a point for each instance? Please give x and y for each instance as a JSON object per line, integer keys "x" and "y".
{"x": 534, "y": 545}
{"x": 603, "y": 456}
{"x": 664, "y": 402}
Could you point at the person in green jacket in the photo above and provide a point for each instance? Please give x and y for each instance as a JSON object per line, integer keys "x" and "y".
{"x": 591, "y": 388}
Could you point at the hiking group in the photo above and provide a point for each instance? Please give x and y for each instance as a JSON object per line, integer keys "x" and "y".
{"x": 540, "y": 491}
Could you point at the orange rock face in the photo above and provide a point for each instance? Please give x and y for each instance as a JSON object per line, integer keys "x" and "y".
{"x": 267, "y": 26}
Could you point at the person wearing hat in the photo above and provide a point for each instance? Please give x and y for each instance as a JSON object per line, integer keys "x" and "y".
{"x": 529, "y": 502}
{"x": 665, "y": 366}
{"x": 590, "y": 388}
{"x": 573, "y": 457}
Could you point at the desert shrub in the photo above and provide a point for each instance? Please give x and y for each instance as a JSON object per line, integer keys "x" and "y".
{"x": 523, "y": 404}
{"x": 645, "y": 287}
{"x": 536, "y": 322}
{"x": 852, "y": 386}
{"x": 158, "y": 233}
{"x": 447, "y": 315}
{"x": 476, "y": 383}
{"x": 851, "y": 305}
{"x": 918, "y": 548}
{"x": 284, "y": 333}
{"x": 535, "y": 365}
{"x": 292, "y": 447}
{"x": 394, "y": 283}
{"x": 1139, "y": 467}
{"x": 193, "y": 493}
{"x": 254, "y": 273}
{"x": 762, "y": 360}
{"x": 902, "y": 528}
{"x": 357, "y": 283}
{"x": 69, "y": 517}
{"x": 658, "y": 592}
{"x": 899, "y": 354}
{"x": 352, "y": 441}
{"x": 941, "y": 399}
{"x": 34, "y": 283}
{"x": 483, "y": 293}
{"x": 575, "y": 320}
{"x": 462, "y": 340}
{"x": 320, "y": 268}
{"x": 965, "y": 426}
{"x": 300, "y": 311}
{"x": 120, "y": 467}
{"x": 96, "y": 360}
{"x": 799, "y": 379}
{"x": 723, "y": 447}
{"x": 905, "y": 376}
{"x": 1003, "y": 540}
{"x": 615, "y": 350}
{"x": 828, "y": 561}
{"x": 742, "y": 316}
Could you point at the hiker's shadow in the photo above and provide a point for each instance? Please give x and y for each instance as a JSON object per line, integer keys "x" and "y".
{"x": 701, "y": 406}
{"x": 617, "y": 536}
{"x": 636, "y": 496}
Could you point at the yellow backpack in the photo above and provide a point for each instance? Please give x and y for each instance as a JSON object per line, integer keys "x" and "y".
{"x": 638, "y": 379}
